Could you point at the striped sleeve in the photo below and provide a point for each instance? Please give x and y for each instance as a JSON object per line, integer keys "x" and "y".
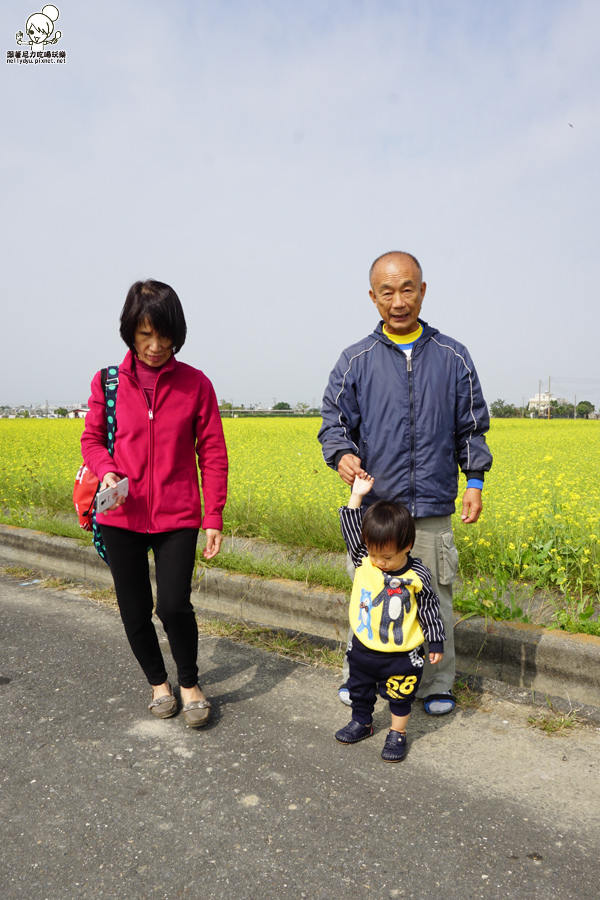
{"x": 428, "y": 606}
{"x": 351, "y": 525}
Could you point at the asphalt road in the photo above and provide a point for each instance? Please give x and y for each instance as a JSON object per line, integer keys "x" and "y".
{"x": 100, "y": 800}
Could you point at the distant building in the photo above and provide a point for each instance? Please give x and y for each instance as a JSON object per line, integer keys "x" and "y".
{"x": 540, "y": 402}
{"x": 47, "y": 411}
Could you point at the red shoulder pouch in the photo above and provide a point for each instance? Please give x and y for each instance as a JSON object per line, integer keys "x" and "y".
{"x": 84, "y": 493}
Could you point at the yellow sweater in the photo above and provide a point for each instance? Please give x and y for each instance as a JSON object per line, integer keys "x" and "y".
{"x": 383, "y": 609}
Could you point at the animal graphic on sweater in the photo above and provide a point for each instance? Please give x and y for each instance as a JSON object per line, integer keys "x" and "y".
{"x": 364, "y": 613}
{"x": 396, "y": 601}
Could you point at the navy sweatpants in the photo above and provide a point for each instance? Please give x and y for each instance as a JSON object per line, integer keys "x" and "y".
{"x": 395, "y": 675}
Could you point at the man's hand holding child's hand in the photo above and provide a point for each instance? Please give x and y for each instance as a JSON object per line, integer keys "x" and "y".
{"x": 362, "y": 484}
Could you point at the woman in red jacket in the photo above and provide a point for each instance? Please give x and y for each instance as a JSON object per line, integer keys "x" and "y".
{"x": 166, "y": 416}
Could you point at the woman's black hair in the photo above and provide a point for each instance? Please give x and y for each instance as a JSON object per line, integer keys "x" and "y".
{"x": 157, "y": 303}
{"x": 388, "y": 523}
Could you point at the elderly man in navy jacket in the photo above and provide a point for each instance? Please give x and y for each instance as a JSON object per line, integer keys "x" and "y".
{"x": 405, "y": 405}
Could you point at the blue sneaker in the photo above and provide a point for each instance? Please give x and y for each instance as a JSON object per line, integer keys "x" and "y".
{"x": 439, "y": 704}
{"x": 353, "y": 733}
{"x": 344, "y": 695}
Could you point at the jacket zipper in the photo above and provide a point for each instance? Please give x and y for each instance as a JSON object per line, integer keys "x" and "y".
{"x": 412, "y": 425}
{"x": 150, "y": 445}
{"x": 150, "y": 458}
{"x": 411, "y": 406}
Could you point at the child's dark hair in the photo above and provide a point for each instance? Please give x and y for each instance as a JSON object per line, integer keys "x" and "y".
{"x": 388, "y": 523}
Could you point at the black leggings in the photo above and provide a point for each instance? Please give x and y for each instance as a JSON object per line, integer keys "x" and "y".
{"x": 175, "y": 558}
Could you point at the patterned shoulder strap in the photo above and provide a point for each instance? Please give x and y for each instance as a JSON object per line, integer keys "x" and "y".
{"x": 110, "y": 382}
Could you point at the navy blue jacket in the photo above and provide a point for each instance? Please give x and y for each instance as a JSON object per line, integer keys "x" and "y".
{"x": 411, "y": 421}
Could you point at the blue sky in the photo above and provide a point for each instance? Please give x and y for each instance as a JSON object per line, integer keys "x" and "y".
{"x": 258, "y": 156}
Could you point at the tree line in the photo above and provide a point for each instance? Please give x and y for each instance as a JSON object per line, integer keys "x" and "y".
{"x": 278, "y": 409}
{"x": 499, "y": 409}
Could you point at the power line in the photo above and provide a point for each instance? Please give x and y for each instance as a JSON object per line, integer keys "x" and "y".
{"x": 567, "y": 380}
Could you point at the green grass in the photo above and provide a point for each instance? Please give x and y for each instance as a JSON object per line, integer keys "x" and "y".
{"x": 298, "y": 527}
{"x": 37, "y": 520}
{"x": 505, "y": 601}
{"x": 496, "y": 598}
{"x": 312, "y": 574}
{"x": 576, "y": 615}
{"x": 294, "y": 646}
{"x": 554, "y": 722}
{"x": 466, "y": 696}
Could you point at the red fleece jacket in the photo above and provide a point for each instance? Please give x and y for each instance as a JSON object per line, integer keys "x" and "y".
{"x": 156, "y": 449}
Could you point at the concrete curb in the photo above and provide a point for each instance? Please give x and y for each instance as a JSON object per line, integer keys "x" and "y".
{"x": 530, "y": 658}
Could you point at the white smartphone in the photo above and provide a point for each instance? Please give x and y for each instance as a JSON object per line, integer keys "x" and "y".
{"x": 110, "y": 495}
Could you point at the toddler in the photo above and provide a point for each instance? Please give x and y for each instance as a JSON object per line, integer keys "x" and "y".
{"x": 393, "y": 610}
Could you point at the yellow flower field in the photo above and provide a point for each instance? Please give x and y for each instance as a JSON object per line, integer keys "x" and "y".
{"x": 541, "y": 505}
{"x": 541, "y": 519}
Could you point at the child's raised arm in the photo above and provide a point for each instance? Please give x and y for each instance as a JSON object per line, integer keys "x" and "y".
{"x": 360, "y": 488}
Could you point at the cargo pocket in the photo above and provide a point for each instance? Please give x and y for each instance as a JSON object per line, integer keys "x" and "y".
{"x": 447, "y": 558}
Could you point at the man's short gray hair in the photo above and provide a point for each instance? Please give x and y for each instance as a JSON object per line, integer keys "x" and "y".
{"x": 395, "y": 253}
